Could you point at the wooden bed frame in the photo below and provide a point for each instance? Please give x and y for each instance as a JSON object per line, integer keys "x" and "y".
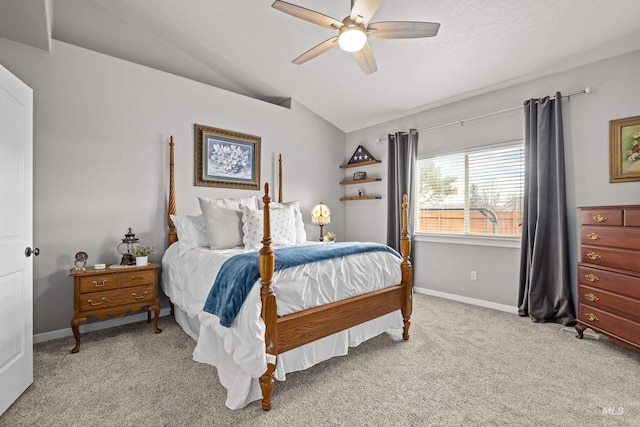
{"x": 287, "y": 332}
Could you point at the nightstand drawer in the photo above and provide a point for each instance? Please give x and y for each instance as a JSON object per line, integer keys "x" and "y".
{"x": 616, "y": 304}
{"x": 136, "y": 278}
{"x": 99, "y": 283}
{"x": 117, "y": 297}
{"x": 602, "y": 320}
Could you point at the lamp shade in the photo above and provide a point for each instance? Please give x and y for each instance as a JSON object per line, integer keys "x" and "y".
{"x": 352, "y": 38}
{"x": 321, "y": 214}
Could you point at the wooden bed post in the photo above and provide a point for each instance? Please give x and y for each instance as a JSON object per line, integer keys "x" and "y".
{"x": 407, "y": 271}
{"x": 280, "y": 179}
{"x": 269, "y": 310}
{"x": 173, "y": 236}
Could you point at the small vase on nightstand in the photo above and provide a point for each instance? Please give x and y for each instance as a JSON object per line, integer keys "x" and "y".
{"x": 142, "y": 260}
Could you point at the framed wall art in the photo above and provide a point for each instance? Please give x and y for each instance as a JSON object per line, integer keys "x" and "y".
{"x": 624, "y": 146}
{"x": 225, "y": 158}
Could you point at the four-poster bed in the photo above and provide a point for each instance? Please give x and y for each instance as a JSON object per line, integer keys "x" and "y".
{"x": 301, "y": 329}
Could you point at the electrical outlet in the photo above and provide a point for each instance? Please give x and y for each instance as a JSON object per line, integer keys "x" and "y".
{"x": 474, "y": 276}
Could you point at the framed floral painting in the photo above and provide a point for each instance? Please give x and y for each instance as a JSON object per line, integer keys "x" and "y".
{"x": 225, "y": 158}
{"x": 624, "y": 146}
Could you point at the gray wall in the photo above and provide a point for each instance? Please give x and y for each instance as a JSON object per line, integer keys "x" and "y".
{"x": 444, "y": 267}
{"x": 102, "y": 127}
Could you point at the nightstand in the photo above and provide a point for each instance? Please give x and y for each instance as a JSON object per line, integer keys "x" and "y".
{"x": 114, "y": 291}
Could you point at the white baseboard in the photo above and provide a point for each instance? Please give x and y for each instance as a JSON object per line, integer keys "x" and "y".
{"x": 467, "y": 300}
{"x": 109, "y": 323}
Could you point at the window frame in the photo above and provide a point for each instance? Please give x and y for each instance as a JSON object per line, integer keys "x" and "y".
{"x": 466, "y": 238}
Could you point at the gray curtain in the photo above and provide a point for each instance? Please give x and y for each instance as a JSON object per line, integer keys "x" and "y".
{"x": 545, "y": 289}
{"x": 403, "y": 147}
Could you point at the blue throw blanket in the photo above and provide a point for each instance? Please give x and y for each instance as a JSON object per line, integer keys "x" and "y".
{"x": 239, "y": 273}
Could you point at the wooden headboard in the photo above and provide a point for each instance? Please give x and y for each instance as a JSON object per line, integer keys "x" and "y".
{"x": 173, "y": 235}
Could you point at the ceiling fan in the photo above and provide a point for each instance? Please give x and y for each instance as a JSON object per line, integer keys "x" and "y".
{"x": 355, "y": 29}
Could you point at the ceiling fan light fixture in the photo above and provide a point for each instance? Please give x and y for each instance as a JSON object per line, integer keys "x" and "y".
{"x": 352, "y": 38}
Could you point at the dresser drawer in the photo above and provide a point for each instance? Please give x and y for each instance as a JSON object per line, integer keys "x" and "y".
{"x": 622, "y": 237}
{"x": 609, "y": 257}
{"x": 602, "y": 216}
{"x": 618, "y": 304}
{"x": 99, "y": 283}
{"x": 632, "y": 217}
{"x": 136, "y": 278}
{"x": 609, "y": 323}
{"x": 609, "y": 281}
{"x": 117, "y": 297}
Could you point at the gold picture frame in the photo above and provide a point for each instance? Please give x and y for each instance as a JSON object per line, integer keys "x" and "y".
{"x": 227, "y": 159}
{"x": 624, "y": 149}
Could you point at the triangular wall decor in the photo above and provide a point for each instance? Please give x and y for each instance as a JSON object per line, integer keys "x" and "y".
{"x": 361, "y": 155}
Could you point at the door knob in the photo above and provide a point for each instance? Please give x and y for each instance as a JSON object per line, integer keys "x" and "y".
{"x": 29, "y": 251}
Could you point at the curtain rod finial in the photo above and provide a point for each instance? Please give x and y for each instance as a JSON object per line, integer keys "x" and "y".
{"x": 587, "y": 89}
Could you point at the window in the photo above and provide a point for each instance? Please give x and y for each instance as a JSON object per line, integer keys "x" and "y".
{"x": 478, "y": 192}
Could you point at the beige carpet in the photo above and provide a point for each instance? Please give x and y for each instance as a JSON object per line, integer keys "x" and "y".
{"x": 463, "y": 366}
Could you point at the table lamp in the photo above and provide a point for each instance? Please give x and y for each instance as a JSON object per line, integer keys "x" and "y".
{"x": 321, "y": 215}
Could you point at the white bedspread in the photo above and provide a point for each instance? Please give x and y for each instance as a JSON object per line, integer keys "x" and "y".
{"x": 239, "y": 351}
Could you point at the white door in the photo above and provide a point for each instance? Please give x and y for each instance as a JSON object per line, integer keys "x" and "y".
{"x": 16, "y": 229}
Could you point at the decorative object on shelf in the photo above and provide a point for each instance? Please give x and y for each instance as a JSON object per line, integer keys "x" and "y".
{"x": 361, "y": 155}
{"x": 359, "y": 176}
{"x": 360, "y": 192}
{"x": 624, "y": 149}
{"x": 321, "y": 215}
{"x": 81, "y": 260}
{"x": 126, "y": 247}
{"x": 142, "y": 253}
{"x": 228, "y": 159}
{"x": 329, "y": 237}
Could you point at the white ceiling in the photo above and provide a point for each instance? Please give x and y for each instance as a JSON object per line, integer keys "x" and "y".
{"x": 246, "y": 46}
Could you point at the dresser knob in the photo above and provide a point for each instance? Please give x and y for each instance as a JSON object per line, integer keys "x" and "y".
{"x": 590, "y": 277}
{"x": 593, "y": 236}
{"x": 101, "y": 284}
{"x": 593, "y": 256}
{"x": 600, "y": 218}
{"x": 591, "y": 297}
{"x": 592, "y": 317}
{"x": 103, "y": 299}
{"x": 139, "y": 297}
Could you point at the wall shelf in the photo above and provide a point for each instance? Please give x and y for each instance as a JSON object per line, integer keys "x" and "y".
{"x": 355, "y": 165}
{"x": 360, "y": 181}
{"x": 344, "y": 199}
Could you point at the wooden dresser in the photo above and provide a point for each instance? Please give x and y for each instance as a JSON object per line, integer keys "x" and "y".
{"x": 113, "y": 292}
{"x": 609, "y": 273}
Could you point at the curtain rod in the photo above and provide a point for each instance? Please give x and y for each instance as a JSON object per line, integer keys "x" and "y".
{"x": 482, "y": 116}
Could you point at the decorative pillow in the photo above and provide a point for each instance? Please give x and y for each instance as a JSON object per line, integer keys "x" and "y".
{"x": 301, "y": 233}
{"x": 222, "y": 218}
{"x": 283, "y": 232}
{"x": 191, "y": 232}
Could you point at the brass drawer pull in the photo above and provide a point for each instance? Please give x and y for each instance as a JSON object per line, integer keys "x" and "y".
{"x": 591, "y": 297}
{"x": 141, "y": 296}
{"x": 592, "y": 317}
{"x": 103, "y": 299}
{"x": 593, "y": 236}
{"x": 137, "y": 277}
{"x": 101, "y": 284}
{"x": 590, "y": 277}
{"x": 593, "y": 256}
{"x": 600, "y": 218}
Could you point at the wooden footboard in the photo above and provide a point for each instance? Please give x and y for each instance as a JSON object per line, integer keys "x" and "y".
{"x": 294, "y": 330}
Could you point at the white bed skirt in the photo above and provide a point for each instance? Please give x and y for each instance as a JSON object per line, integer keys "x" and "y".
{"x": 242, "y": 388}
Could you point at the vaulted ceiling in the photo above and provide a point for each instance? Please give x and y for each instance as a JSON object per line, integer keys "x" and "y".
{"x": 246, "y": 46}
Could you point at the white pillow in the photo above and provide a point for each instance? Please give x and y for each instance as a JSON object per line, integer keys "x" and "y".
{"x": 301, "y": 233}
{"x": 191, "y": 232}
{"x": 222, "y": 218}
{"x": 283, "y": 232}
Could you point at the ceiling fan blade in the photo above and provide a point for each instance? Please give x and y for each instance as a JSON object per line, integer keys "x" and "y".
{"x": 365, "y": 59}
{"x": 402, "y": 29}
{"x": 317, "y": 50}
{"x": 365, "y": 9}
{"x": 307, "y": 14}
